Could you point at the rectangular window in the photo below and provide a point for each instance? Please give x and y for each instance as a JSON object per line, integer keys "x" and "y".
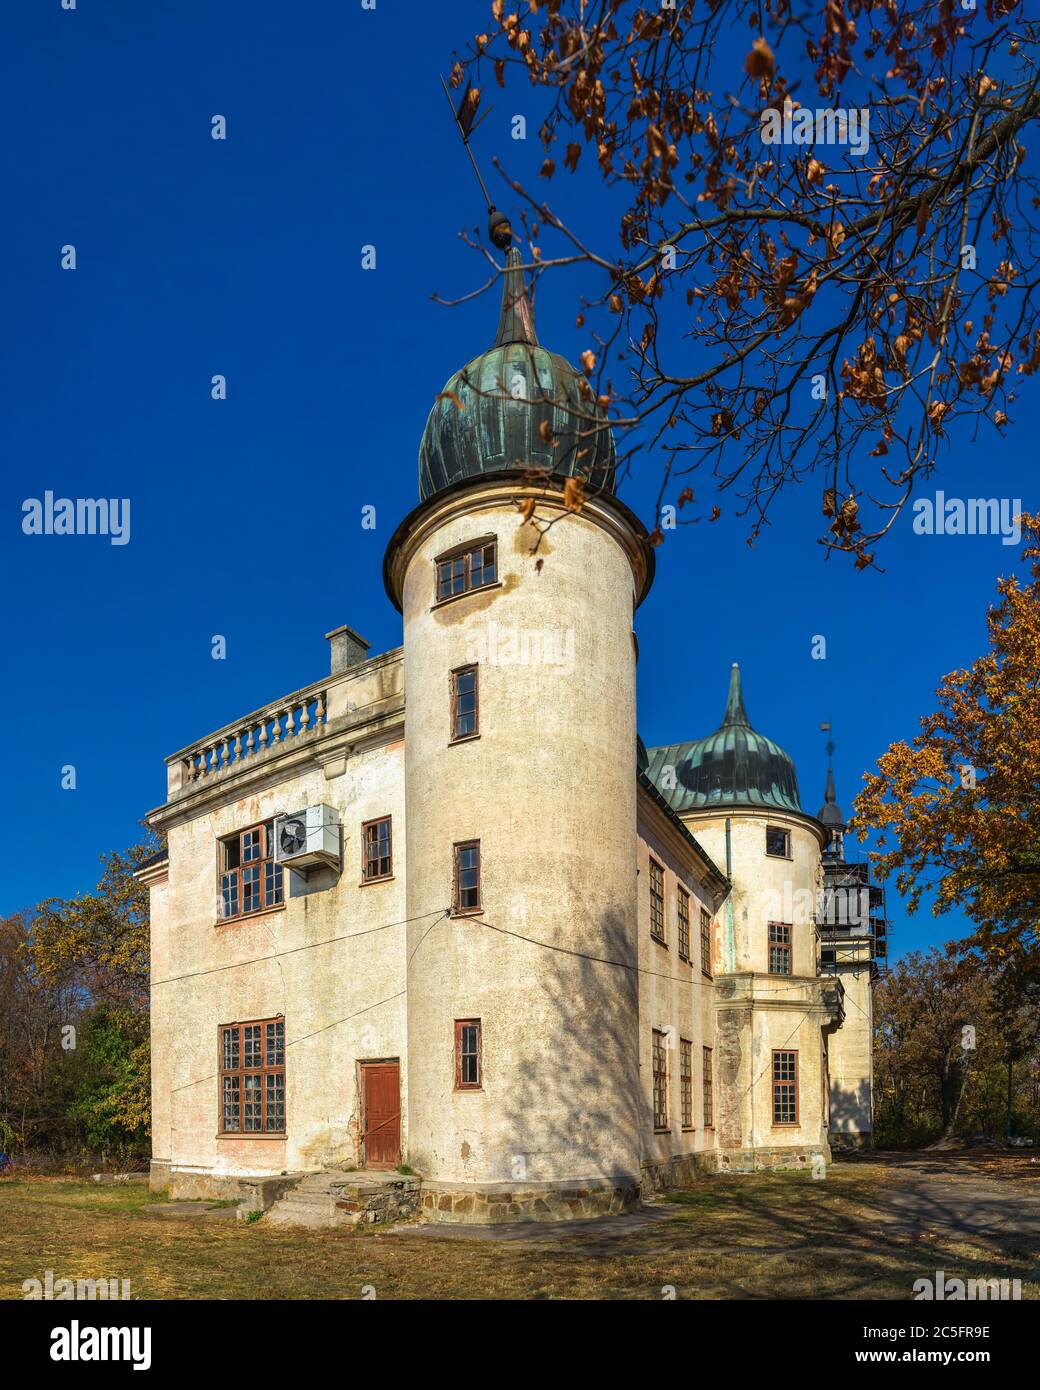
{"x": 252, "y": 1077}
{"x": 250, "y": 880}
{"x": 779, "y": 949}
{"x": 472, "y": 568}
{"x": 709, "y": 1099}
{"x": 684, "y": 923}
{"x": 778, "y": 842}
{"x": 686, "y": 1082}
{"x": 656, "y": 901}
{"x": 466, "y": 895}
{"x": 377, "y": 850}
{"x": 464, "y": 703}
{"x": 660, "y": 1066}
{"x": 785, "y": 1088}
{"x": 468, "y": 1070}
{"x": 705, "y": 943}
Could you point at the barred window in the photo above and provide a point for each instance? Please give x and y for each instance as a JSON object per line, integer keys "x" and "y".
{"x": 684, "y": 923}
{"x": 466, "y": 893}
{"x": 250, "y": 880}
{"x": 472, "y": 568}
{"x": 377, "y": 850}
{"x": 779, "y": 949}
{"x": 252, "y": 1077}
{"x": 468, "y": 1069}
{"x": 656, "y": 901}
{"x": 660, "y": 1067}
{"x": 464, "y": 706}
{"x": 709, "y": 1098}
{"x": 705, "y": 943}
{"x": 785, "y": 1088}
{"x": 686, "y": 1082}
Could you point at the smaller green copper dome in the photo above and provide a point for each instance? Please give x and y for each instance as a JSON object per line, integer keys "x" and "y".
{"x": 734, "y": 766}
{"x": 490, "y": 415}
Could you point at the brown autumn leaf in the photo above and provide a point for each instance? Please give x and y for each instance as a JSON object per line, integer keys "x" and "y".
{"x": 656, "y": 537}
{"x": 574, "y": 494}
{"x": 548, "y": 169}
{"x": 685, "y": 496}
{"x": 760, "y": 61}
{"x": 546, "y": 433}
{"x": 527, "y": 507}
{"x": 588, "y": 361}
{"x": 830, "y": 501}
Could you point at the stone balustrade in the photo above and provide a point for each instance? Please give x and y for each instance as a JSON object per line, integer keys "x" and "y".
{"x": 279, "y": 725}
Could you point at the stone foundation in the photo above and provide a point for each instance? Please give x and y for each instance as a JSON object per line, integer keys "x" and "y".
{"x": 850, "y": 1141}
{"x": 491, "y": 1203}
{"x": 370, "y": 1200}
{"x": 260, "y": 1191}
{"x": 681, "y": 1170}
{"x": 760, "y": 1160}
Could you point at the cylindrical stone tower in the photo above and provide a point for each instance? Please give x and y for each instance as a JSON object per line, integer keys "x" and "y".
{"x": 520, "y": 801}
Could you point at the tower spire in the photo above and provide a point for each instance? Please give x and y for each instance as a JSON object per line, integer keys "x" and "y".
{"x": 516, "y": 319}
{"x": 735, "y": 714}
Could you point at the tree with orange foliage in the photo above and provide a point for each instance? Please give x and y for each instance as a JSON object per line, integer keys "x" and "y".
{"x": 958, "y": 811}
{"x": 824, "y": 261}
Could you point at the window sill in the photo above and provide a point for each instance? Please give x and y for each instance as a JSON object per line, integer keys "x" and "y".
{"x": 467, "y": 1090}
{"x": 466, "y": 912}
{"x": 463, "y": 738}
{"x": 788, "y": 857}
{"x": 660, "y": 940}
{"x": 248, "y": 916}
{"x": 466, "y": 593}
{"x": 662, "y": 1131}
{"x": 707, "y": 974}
{"x": 685, "y": 959}
{"x": 383, "y": 878}
{"x": 785, "y": 1124}
{"x": 241, "y": 1134}
{"x": 689, "y": 1129}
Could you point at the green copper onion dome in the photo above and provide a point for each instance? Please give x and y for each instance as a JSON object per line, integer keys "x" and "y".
{"x": 734, "y": 766}
{"x": 490, "y": 415}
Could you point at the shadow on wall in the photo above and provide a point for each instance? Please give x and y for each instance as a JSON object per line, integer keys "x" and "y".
{"x": 850, "y": 1114}
{"x": 575, "y": 1107}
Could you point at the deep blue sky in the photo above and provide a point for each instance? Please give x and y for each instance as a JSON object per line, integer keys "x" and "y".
{"x": 243, "y": 257}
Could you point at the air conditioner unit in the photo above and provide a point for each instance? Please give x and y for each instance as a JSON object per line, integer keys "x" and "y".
{"x": 308, "y": 839}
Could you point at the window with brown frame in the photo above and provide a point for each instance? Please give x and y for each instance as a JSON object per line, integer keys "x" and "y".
{"x": 686, "y": 1082}
{"x": 252, "y": 1077}
{"x": 660, "y": 1068}
{"x": 465, "y": 706}
{"x": 705, "y": 943}
{"x": 469, "y": 1074}
{"x": 466, "y": 890}
{"x": 785, "y": 1088}
{"x": 657, "y": 901}
{"x": 684, "y": 923}
{"x": 250, "y": 880}
{"x": 706, "y": 1082}
{"x": 474, "y": 567}
{"x": 779, "y": 948}
{"x": 377, "y": 850}
{"x": 778, "y": 842}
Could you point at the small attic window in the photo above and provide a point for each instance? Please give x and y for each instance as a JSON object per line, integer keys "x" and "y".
{"x": 473, "y": 567}
{"x": 778, "y": 842}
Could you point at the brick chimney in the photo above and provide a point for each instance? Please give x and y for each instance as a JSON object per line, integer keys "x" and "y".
{"x": 347, "y": 648}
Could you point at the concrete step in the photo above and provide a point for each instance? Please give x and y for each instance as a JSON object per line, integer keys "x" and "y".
{"x": 337, "y": 1197}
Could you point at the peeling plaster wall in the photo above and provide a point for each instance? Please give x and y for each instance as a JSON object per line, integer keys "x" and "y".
{"x": 342, "y": 1001}
{"x": 674, "y": 995}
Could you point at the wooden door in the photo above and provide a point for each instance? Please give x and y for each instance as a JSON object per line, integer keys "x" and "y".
{"x": 381, "y": 1093}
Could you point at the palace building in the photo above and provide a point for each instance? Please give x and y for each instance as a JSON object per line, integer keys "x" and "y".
{"x": 438, "y": 930}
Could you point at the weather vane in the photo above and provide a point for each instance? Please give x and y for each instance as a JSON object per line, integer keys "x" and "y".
{"x": 499, "y": 229}
{"x": 826, "y": 728}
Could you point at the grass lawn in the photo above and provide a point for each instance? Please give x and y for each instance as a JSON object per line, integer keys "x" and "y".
{"x": 770, "y": 1235}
